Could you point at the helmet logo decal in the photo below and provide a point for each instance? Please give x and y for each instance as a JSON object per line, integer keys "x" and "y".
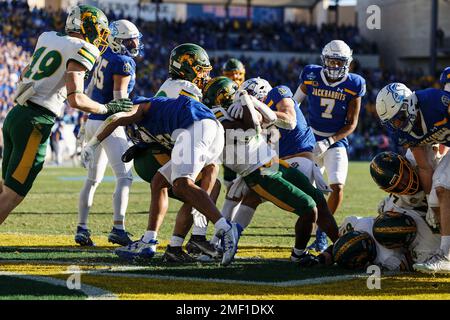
{"x": 397, "y": 92}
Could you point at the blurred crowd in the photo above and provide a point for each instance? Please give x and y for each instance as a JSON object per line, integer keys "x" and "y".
{"x": 20, "y": 27}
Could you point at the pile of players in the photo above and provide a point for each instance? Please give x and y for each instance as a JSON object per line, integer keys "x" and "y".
{"x": 258, "y": 133}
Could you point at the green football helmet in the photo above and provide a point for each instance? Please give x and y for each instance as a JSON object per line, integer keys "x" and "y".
{"x": 354, "y": 250}
{"x": 91, "y": 23}
{"x": 190, "y": 62}
{"x": 393, "y": 173}
{"x": 394, "y": 230}
{"x": 220, "y": 92}
{"x": 235, "y": 70}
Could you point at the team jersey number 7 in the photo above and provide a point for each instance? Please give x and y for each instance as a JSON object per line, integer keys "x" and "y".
{"x": 329, "y": 106}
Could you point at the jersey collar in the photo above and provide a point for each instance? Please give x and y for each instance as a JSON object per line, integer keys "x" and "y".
{"x": 334, "y": 84}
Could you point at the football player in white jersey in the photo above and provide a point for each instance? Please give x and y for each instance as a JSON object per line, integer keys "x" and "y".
{"x": 55, "y": 74}
{"x": 251, "y": 155}
{"x": 113, "y": 78}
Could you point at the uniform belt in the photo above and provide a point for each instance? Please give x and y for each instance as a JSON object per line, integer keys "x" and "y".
{"x": 40, "y": 109}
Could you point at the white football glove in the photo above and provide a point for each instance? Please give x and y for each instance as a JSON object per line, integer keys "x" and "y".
{"x": 199, "y": 219}
{"x": 236, "y": 111}
{"x": 431, "y": 219}
{"x": 238, "y": 189}
{"x": 88, "y": 151}
{"x": 322, "y": 146}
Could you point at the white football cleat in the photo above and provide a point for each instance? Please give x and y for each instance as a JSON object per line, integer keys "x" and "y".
{"x": 438, "y": 263}
{"x": 229, "y": 240}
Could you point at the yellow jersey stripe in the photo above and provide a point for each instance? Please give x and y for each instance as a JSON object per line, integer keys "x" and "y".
{"x": 308, "y": 82}
{"x": 266, "y": 195}
{"x": 218, "y": 114}
{"x": 87, "y": 55}
{"x": 185, "y": 93}
{"x": 440, "y": 123}
{"x": 29, "y": 155}
{"x": 162, "y": 158}
{"x": 270, "y": 103}
{"x": 350, "y": 91}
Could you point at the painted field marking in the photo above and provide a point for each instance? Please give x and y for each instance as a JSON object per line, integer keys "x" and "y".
{"x": 92, "y": 292}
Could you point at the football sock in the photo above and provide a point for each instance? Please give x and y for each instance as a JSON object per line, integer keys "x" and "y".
{"x": 445, "y": 246}
{"x": 298, "y": 252}
{"x": 149, "y": 235}
{"x": 222, "y": 224}
{"x": 119, "y": 226}
{"x": 83, "y": 225}
{"x": 229, "y": 209}
{"x": 176, "y": 241}
{"x": 244, "y": 216}
{"x": 199, "y": 231}
{"x": 86, "y": 200}
{"x": 120, "y": 198}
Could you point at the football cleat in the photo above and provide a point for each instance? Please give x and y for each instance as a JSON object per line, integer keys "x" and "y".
{"x": 83, "y": 237}
{"x": 296, "y": 257}
{"x": 176, "y": 254}
{"x": 229, "y": 240}
{"x": 120, "y": 237}
{"x": 137, "y": 250}
{"x": 198, "y": 245}
{"x": 438, "y": 263}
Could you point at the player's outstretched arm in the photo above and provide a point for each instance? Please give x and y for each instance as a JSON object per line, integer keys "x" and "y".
{"x": 286, "y": 117}
{"x": 75, "y": 74}
{"x": 424, "y": 168}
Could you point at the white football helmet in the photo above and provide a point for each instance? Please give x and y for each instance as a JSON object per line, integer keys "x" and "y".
{"x": 257, "y": 87}
{"x": 396, "y": 107}
{"x": 122, "y": 38}
{"x": 336, "y": 58}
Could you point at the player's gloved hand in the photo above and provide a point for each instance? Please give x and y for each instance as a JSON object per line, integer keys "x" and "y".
{"x": 322, "y": 146}
{"x": 87, "y": 153}
{"x": 238, "y": 189}
{"x": 199, "y": 219}
{"x": 80, "y": 139}
{"x": 119, "y": 105}
{"x": 431, "y": 219}
{"x": 131, "y": 153}
{"x": 236, "y": 111}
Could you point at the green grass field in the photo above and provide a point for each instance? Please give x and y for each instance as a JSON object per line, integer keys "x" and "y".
{"x": 37, "y": 243}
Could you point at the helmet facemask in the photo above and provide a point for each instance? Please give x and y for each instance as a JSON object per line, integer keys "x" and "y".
{"x": 94, "y": 32}
{"x": 201, "y": 75}
{"x": 336, "y": 67}
{"x": 405, "y": 118}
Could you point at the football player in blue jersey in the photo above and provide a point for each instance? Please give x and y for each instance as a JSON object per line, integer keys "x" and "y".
{"x": 419, "y": 119}
{"x": 445, "y": 79}
{"x": 196, "y": 138}
{"x": 112, "y": 78}
{"x": 334, "y": 101}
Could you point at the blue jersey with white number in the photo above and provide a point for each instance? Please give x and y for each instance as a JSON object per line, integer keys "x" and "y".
{"x": 299, "y": 139}
{"x": 434, "y": 123}
{"x": 108, "y": 65}
{"x": 165, "y": 115}
{"x": 328, "y": 102}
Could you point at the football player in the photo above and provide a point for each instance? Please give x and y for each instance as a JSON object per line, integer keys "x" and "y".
{"x": 197, "y": 141}
{"x": 416, "y": 120}
{"x": 55, "y": 74}
{"x": 248, "y": 153}
{"x": 113, "y": 78}
{"x": 235, "y": 70}
{"x": 445, "y": 79}
{"x": 294, "y": 138}
{"x": 334, "y": 101}
{"x": 189, "y": 69}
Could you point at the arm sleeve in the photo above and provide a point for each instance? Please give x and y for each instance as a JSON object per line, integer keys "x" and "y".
{"x": 86, "y": 55}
